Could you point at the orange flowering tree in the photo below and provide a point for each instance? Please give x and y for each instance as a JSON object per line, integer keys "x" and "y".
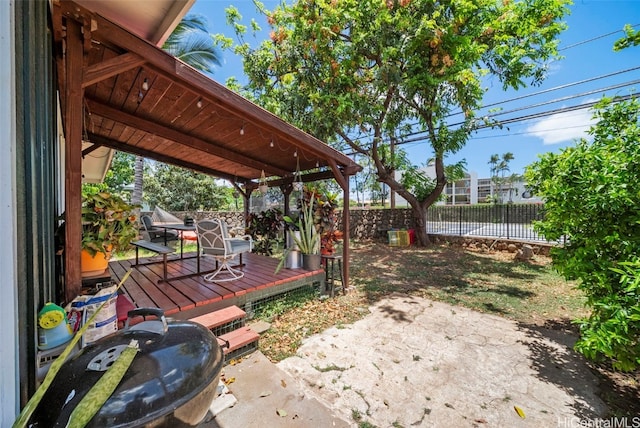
{"x": 362, "y": 73}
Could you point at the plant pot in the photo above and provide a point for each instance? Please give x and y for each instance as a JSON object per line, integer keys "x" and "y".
{"x": 311, "y": 261}
{"x": 293, "y": 260}
{"x": 291, "y": 242}
{"x": 93, "y": 265}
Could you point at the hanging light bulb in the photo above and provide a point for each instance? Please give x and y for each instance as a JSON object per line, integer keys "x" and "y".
{"x": 295, "y": 154}
{"x": 199, "y": 103}
{"x": 271, "y": 143}
{"x": 145, "y": 84}
{"x": 262, "y": 184}
{"x": 297, "y": 183}
{"x": 317, "y": 164}
{"x": 242, "y": 129}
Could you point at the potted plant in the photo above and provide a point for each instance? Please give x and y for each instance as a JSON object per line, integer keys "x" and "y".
{"x": 293, "y": 255}
{"x": 307, "y": 238}
{"x": 329, "y": 240}
{"x": 264, "y": 228}
{"x": 326, "y": 219}
{"x": 263, "y": 187}
{"x": 108, "y": 224}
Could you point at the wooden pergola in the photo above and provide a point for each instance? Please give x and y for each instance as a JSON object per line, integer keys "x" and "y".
{"x": 122, "y": 92}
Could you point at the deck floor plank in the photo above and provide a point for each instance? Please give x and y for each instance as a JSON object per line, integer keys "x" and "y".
{"x": 145, "y": 290}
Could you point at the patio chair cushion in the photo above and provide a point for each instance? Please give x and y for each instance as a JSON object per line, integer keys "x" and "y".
{"x": 156, "y": 234}
{"x": 239, "y": 245}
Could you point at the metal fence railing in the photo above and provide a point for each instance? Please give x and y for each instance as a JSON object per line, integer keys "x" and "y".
{"x": 509, "y": 221}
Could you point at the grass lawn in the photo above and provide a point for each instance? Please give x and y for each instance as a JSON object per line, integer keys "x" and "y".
{"x": 188, "y": 246}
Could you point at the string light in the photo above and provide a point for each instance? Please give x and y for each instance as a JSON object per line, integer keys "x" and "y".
{"x": 295, "y": 154}
{"x": 242, "y": 129}
{"x": 271, "y": 143}
{"x": 199, "y": 103}
{"x": 145, "y": 84}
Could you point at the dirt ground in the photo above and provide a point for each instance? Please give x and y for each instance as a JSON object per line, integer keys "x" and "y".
{"x": 527, "y": 300}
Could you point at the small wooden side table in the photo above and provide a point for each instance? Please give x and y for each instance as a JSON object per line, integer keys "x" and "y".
{"x": 334, "y": 277}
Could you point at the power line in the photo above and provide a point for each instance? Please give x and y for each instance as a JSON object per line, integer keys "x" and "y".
{"x": 529, "y": 117}
{"x": 594, "y": 39}
{"x": 564, "y": 86}
{"x": 557, "y": 100}
{"x": 510, "y": 134}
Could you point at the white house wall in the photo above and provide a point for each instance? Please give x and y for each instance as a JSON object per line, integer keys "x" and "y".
{"x": 9, "y": 391}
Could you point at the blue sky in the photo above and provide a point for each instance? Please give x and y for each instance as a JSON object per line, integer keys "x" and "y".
{"x": 587, "y": 49}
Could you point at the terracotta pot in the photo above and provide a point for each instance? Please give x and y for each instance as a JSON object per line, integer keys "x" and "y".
{"x": 92, "y": 266}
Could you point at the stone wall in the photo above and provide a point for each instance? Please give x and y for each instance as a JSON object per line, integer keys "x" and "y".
{"x": 365, "y": 224}
{"x": 487, "y": 244}
{"x": 374, "y": 224}
{"x": 232, "y": 218}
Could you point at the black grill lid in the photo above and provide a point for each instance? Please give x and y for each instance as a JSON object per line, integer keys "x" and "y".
{"x": 177, "y": 360}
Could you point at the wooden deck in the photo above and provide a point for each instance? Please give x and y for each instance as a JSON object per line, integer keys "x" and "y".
{"x": 190, "y": 297}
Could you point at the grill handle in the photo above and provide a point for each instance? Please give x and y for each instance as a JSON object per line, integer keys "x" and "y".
{"x": 158, "y": 325}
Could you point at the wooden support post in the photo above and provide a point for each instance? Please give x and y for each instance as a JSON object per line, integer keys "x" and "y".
{"x": 345, "y": 234}
{"x": 73, "y": 159}
{"x": 343, "y": 181}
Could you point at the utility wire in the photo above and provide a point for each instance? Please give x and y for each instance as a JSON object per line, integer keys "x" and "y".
{"x": 529, "y": 117}
{"x": 510, "y": 134}
{"x": 594, "y": 39}
{"x": 556, "y": 88}
{"x": 527, "y": 107}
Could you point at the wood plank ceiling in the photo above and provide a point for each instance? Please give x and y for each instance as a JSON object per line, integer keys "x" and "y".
{"x": 122, "y": 92}
{"x": 141, "y": 100}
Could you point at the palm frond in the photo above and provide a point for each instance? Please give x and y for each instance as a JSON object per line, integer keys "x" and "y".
{"x": 192, "y": 43}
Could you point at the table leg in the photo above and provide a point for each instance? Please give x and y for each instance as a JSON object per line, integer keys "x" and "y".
{"x": 181, "y": 243}
{"x": 164, "y": 266}
{"x": 344, "y": 291}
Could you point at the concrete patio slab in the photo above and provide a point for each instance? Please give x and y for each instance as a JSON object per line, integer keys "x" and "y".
{"x": 415, "y": 362}
{"x": 269, "y": 397}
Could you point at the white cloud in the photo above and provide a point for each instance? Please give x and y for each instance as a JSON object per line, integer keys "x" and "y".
{"x": 562, "y": 127}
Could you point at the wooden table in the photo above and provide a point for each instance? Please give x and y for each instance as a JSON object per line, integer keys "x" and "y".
{"x": 180, "y": 227}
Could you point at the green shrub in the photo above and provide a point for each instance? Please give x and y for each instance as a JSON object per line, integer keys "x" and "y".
{"x": 592, "y": 198}
{"x": 265, "y": 227}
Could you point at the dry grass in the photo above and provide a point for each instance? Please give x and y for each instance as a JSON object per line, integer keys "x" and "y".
{"x": 531, "y": 293}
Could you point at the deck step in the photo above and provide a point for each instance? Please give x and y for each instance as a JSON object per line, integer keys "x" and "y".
{"x": 238, "y": 342}
{"x": 223, "y": 320}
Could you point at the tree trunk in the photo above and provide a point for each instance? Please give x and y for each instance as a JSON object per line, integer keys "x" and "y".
{"x": 138, "y": 181}
{"x": 420, "y": 219}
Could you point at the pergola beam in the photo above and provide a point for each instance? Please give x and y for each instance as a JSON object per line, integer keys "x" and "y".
{"x": 109, "y": 68}
{"x": 178, "y": 137}
{"x": 188, "y": 78}
{"x": 116, "y": 145}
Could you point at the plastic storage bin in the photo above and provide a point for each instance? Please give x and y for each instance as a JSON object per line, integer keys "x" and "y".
{"x": 398, "y": 238}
